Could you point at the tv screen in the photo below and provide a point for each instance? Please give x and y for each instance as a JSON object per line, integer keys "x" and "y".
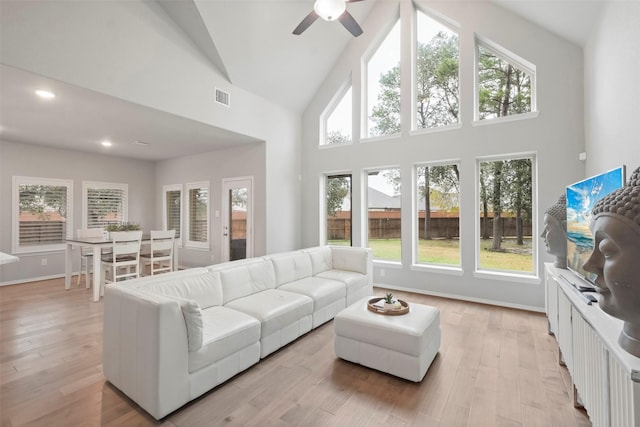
{"x": 581, "y": 197}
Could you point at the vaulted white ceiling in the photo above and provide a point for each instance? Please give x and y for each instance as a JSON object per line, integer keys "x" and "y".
{"x": 251, "y": 43}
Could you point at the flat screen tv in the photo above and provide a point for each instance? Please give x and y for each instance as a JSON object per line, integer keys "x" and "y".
{"x": 581, "y": 197}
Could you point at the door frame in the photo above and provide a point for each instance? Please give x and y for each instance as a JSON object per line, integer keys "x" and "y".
{"x": 228, "y": 184}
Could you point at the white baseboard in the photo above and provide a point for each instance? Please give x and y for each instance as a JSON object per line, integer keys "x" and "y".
{"x": 33, "y": 279}
{"x": 463, "y": 298}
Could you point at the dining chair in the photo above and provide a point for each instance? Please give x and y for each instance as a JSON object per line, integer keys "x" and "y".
{"x": 86, "y": 253}
{"x": 125, "y": 255}
{"x": 160, "y": 255}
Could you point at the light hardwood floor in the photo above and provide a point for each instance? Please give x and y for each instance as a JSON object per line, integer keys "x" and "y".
{"x": 496, "y": 367}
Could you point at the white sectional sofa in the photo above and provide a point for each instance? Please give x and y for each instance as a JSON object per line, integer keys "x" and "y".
{"x": 172, "y": 337}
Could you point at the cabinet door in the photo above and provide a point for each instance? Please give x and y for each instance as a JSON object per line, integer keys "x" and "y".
{"x": 565, "y": 339}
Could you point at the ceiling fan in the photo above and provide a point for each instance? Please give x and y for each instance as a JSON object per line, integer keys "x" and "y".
{"x": 330, "y": 10}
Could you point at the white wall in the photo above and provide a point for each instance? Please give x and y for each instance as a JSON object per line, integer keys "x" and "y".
{"x": 247, "y": 160}
{"x": 612, "y": 89}
{"x": 37, "y": 161}
{"x": 555, "y": 137}
{"x": 132, "y": 50}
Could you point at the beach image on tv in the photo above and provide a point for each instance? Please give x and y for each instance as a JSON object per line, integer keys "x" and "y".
{"x": 581, "y": 197}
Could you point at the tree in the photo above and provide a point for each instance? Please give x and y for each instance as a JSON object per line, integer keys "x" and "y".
{"x": 496, "y": 202}
{"x": 504, "y": 89}
{"x": 439, "y": 183}
{"x": 437, "y": 81}
{"x": 484, "y": 198}
{"x": 437, "y": 88}
{"x": 518, "y": 180}
{"x": 337, "y": 137}
{"x": 43, "y": 199}
{"x": 386, "y": 114}
{"x": 239, "y": 199}
{"x": 338, "y": 188}
{"x": 505, "y": 185}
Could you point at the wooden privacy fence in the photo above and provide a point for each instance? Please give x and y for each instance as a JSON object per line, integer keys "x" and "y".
{"x": 388, "y": 227}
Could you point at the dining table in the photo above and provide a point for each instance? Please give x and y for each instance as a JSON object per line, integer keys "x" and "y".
{"x": 97, "y": 244}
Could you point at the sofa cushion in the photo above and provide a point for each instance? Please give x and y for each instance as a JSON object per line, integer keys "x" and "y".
{"x": 225, "y": 331}
{"x": 205, "y": 288}
{"x": 354, "y": 281}
{"x": 321, "y": 259}
{"x": 274, "y": 308}
{"x": 291, "y": 266}
{"x": 246, "y": 280}
{"x": 322, "y": 291}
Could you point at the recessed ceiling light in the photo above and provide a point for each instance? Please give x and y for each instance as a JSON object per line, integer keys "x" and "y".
{"x": 45, "y": 94}
{"x": 106, "y": 143}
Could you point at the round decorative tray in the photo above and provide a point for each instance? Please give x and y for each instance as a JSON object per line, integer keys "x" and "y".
{"x": 372, "y": 306}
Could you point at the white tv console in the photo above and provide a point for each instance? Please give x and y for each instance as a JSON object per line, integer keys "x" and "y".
{"x": 605, "y": 377}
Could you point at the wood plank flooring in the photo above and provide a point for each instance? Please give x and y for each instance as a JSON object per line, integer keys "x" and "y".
{"x": 496, "y": 367}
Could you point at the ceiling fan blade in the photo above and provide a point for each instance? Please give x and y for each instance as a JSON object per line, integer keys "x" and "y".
{"x": 349, "y": 22}
{"x": 306, "y": 22}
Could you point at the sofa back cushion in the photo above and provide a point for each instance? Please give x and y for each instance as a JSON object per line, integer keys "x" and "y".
{"x": 238, "y": 282}
{"x": 205, "y": 288}
{"x": 291, "y": 266}
{"x": 321, "y": 259}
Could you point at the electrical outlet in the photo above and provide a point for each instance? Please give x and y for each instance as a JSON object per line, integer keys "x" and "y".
{"x": 382, "y": 272}
{"x": 43, "y": 261}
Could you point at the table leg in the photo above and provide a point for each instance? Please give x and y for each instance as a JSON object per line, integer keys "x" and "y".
{"x": 97, "y": 273}
{"x": 68, "y": 266}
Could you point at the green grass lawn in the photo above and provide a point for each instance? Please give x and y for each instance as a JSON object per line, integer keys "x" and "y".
{"x": 447, "y": 252}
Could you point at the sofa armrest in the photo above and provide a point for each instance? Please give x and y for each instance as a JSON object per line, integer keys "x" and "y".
{"x": 145, "y": 349}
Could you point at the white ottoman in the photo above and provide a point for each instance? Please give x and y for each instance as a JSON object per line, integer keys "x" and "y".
{"x": 403, "y": 345}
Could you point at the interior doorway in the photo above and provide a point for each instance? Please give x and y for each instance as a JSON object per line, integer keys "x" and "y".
{"x": 237, "y": 218}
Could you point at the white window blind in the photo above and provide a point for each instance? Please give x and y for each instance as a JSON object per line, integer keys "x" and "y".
{"x": 42, "y": 214}
{"x": 198, "y": 215}
{"x": 173, "y": 208}
{"x": 105, "y": 203}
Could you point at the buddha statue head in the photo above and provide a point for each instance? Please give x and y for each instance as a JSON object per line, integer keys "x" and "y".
{"x": 555, "y": 231}
{"x": 615, "y": 259}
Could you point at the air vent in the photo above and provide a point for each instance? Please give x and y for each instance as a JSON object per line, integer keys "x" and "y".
{"x": 223, "y": 97}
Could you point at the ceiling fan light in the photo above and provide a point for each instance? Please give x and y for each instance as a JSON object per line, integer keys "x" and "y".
{"x": 329, "y": 10}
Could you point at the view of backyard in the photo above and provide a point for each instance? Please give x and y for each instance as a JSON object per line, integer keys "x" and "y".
{"x": 514, "y": 257}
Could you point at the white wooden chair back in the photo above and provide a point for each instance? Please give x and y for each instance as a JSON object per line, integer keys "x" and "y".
{"x": 160, "y": 256}
{"x": 126, "y": 253}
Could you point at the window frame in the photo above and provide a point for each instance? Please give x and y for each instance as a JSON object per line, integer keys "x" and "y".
{"x": 16, "y": 248}
{"x": 517, "y": 61}
{"x": 87, "y": 185}
{"x": 166, "y": 189}
{"x": 509, "y": 275}
{"x": 193, "y": 244}
{"x": 453, "y": 27}
{"x": 330, "y": 109}
{"x": 323, "y": 204}
{"x": 365, "y": 212}
{"x": 416, "y": 264}
{"x": 364, "y": 68}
